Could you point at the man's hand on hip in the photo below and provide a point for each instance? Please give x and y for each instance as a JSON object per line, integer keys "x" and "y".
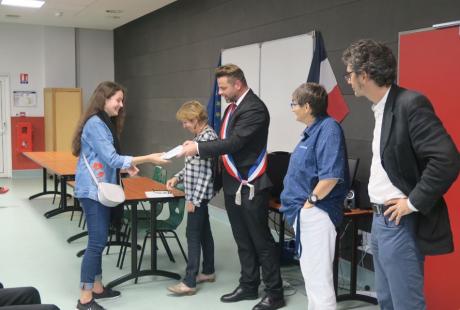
{"x": 398, "y": 209}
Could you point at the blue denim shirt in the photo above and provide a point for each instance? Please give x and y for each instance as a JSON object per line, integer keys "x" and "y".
{"x": 97, "y": 146}
{"x": 320, "y": 154}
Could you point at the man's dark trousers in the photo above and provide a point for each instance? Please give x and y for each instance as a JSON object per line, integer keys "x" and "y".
{"x": 256, "y": 246}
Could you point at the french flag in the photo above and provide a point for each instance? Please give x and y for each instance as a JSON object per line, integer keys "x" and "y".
{"x": 321, "y": 73}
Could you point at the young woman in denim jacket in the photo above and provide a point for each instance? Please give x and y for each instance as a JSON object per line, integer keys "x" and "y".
{"x": 96, "y": 138}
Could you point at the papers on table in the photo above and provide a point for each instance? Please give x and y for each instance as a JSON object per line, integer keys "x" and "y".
{"x": 173, "y": 153}
{"x": 158, "y": 194}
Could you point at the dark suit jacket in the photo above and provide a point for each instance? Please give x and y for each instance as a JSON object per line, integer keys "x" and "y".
{"x": 422, "y": 161}
{"x": 246, "y": 138}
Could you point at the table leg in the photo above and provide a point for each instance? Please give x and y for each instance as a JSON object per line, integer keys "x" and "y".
{"x": 45, "y": 188}
{"x": 354, "y": 270}
{"x": 153, "y": 271}
{"x": 63, "y": 204}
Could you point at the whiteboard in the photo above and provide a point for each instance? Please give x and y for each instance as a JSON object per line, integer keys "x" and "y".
{"x": 273, "y": 70}
{"x": 284, "y": 66}
{"x": 248, "y": 59}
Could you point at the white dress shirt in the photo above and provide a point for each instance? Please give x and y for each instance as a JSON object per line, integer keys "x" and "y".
{"x": 241, "y": 97}
{"x": 380, "y": 187}
{"x": 237, "y": 103}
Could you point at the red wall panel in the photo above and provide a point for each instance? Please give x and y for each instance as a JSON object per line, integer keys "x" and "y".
{"x": 38, "y": 141}
{"x": 429, "y": 62}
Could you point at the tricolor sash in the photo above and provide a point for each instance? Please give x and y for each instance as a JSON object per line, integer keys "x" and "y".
{"x": 255, "y": 171}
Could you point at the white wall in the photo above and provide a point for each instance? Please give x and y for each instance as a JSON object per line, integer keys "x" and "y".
{"x": 59, "y": 56}
{"x": 54, "y": 57}
{"x": 21, "y": 51}
{"x": 95, "y": 60}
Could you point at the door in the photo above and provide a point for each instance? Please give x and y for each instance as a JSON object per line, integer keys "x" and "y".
{"x": 5, "y": 139}
{"x": 429, "y": 62}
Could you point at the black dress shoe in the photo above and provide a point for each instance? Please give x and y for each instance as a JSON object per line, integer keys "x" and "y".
{"x": 240, "y": 294}
{"x": 270, "y": 303}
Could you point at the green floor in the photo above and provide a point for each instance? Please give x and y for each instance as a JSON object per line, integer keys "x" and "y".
{"x": 34, "y": 251}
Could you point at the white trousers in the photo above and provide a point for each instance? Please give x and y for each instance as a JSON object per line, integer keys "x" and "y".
{"x": 317, "y": 236}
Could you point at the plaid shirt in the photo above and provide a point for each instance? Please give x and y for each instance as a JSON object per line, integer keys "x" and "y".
{"x": 197, "y": 172}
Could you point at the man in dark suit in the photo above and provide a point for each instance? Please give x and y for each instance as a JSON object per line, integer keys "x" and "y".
{"x": 242, "y": 144}
{"x": 414, "y": 163}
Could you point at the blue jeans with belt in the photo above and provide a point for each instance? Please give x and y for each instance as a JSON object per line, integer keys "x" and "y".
{"x": 199, "y": 237}
{"x": 398, "y": 264}
{"x": 97, "y": 223}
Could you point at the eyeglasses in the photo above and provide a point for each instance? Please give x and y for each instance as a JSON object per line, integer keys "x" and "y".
{"x": 347, "y": 76}
{"x": 293, "y": 104}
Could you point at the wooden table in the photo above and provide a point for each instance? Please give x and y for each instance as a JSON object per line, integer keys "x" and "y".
{"x": 135, "y": 189}
{"x": 62, "y": 165}
{"x": 353, "y": 215}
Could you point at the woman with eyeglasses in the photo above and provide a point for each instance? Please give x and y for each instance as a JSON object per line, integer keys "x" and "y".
{"x": 315, "y": 187}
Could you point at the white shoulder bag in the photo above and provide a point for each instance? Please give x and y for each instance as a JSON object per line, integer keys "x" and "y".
{"x": 108, "y": 194}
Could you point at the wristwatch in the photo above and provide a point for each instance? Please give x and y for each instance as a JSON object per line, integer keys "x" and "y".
{"x": 313, "y": 199}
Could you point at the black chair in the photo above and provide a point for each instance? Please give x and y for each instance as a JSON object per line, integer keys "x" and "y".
{"x": 277, "y": 165}
{"x": 353, "y": 164}
{"x": 353, "y": 169}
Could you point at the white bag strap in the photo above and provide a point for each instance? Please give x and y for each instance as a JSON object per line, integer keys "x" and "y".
{"x": 90, "y": 170}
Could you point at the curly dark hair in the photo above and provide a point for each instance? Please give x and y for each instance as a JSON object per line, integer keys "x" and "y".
{"x": 374, "y": 58}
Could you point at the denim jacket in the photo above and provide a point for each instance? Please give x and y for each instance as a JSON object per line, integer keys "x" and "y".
{"x": 97, "y": 146}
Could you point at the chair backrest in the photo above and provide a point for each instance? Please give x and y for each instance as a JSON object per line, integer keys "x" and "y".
{"x": 353, "y": 169}
{"x": 277, "y": 165}
{"x": 159, "y": 174}
{"x": 176, "y": 210}
{"x": 176, "y": 213}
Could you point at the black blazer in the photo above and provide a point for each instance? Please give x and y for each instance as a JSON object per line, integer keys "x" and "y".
{"x": 422, "y": 161}
{"x": 247, "y": 137}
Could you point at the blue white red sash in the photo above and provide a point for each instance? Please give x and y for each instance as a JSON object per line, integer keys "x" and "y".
{"x": 255, "y": 171}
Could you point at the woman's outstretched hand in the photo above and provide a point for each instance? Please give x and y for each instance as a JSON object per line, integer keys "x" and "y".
{"x": 132, "y": 171}
{"x": 157, "y": 158}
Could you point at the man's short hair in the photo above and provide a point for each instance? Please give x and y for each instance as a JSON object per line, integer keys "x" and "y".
{"x": 374, "y": 58}
{"x": 313, "y": 94}
{"x": 233, "y": 72}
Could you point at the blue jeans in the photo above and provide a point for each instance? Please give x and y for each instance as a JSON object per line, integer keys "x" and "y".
{"x": 398, "y": 264}
{"x": 97, "y": 222}
{"x": 199, "y": 237}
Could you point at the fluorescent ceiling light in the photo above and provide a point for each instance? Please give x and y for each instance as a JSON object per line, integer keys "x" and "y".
{"x": 24, "y": 3}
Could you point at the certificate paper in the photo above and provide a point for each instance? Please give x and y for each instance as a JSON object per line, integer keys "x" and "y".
{"x": 173, "y": 153}
{"x": 158, "y": 194}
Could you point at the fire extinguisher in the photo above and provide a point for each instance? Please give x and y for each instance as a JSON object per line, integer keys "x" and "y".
{"x": 23, "y": 137}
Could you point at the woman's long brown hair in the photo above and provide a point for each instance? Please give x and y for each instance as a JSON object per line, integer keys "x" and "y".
{"x": 103, "y": 91}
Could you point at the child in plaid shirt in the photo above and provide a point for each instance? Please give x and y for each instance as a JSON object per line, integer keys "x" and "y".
{"x": 197, "y": 176}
